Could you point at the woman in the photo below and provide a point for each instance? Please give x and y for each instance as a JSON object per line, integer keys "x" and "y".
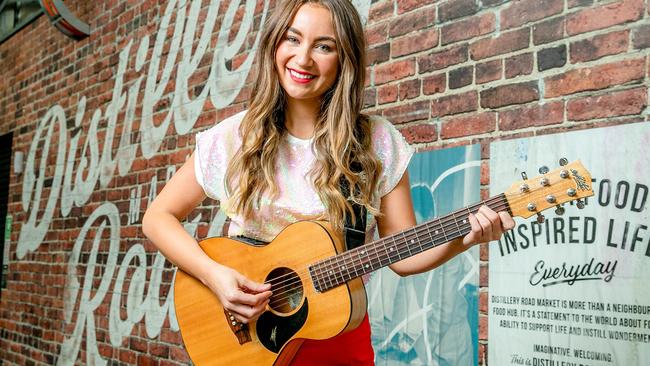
{"x": 283, "y": 159}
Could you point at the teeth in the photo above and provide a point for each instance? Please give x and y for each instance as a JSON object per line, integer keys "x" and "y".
{"x": 301, "y": 76}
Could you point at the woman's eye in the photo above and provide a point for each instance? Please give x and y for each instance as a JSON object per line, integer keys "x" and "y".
{"x": 324, "y": 47}
{"x": 292, "y": 39}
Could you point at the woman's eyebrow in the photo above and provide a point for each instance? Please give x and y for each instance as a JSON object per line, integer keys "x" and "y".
{"x": 318, "y": 39}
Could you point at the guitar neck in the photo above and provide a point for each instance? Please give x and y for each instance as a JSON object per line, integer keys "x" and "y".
{"x": 357, "y": 262}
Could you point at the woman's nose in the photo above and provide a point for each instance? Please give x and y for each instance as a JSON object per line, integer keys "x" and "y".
{"x": 303, "y": 56}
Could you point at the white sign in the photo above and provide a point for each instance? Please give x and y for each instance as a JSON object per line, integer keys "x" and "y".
{"x": 573, "y": 290}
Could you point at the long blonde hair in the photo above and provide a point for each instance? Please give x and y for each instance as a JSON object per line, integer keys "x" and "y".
{"x": 342, "y": 137}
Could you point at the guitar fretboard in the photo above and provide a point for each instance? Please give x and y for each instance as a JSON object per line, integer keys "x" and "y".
{"x": 354, "y": 263}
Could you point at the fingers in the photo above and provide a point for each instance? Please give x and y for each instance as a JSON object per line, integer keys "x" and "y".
{"x": 253, "y": 287}
{"x": 475, "y": 233}
{"x": 507, "y": 223}
{"x": 245, "y": 313}
{"x": 487, "y": 225}
{"x": 246, "y": 307}
{"x": 242, "y": 298}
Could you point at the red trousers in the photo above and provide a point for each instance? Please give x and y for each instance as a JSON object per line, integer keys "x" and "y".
{"x": 353, "y": 348}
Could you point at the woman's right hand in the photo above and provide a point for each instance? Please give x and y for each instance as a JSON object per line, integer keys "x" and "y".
{"x": 246, "y": 300}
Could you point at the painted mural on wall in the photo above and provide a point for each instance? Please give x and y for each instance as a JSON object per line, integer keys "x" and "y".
{"x": 432, "y": 318}
{"x": 574, "y": 289}
{"x": 83, "y": 159}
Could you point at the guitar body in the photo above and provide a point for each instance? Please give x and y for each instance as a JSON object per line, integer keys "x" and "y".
{"x": 296, "y": 312}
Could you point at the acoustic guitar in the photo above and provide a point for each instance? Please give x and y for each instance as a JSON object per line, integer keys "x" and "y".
{"x": 317, "y": 288}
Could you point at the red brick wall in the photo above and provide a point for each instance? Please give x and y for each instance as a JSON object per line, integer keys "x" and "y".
{"x": 446, "y": 73}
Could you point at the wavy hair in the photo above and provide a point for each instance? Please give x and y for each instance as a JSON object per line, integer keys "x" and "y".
{"x": 342, "y": 135}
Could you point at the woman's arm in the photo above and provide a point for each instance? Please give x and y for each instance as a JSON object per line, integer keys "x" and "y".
{"x": 161, "y": 224}
{"x": 398, "y": 215}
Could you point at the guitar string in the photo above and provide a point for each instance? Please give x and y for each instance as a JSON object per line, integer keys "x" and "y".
{"x": 330, "y": 263}
{"x": 415, "y": 232}
{"x": 514, "y": 198}
{"x": 334, "y": 262}
{"x": 290, "y": 285}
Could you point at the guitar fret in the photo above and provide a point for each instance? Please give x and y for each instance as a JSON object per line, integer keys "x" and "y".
{"x": 433, "y": 242}
{"x": 346, "y": 266}
{"x": 407, "y": 243}
{"x": 374, "y": 248}
{"x": 456, "y": 222}
{"x": 329, "y": 272}
{"x": 443, "y": 230}
{"x": 399, "y": 255}
{"x": 364, "y": 264}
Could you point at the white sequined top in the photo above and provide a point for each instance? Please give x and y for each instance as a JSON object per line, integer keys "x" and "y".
{"x": 297, "y": 199}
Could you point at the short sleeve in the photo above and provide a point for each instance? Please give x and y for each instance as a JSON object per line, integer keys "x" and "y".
{"x": 214, "y": 149}
{"x": 393, "y": 152}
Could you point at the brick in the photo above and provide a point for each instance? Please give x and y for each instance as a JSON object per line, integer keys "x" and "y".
{"x": 483, "y": 302}
{"x": 378, "y": 54}
{"x": 505, "y": 43}
{"x": 552, "y": 57}
{"x": 420, "y": 133}
{"x": 453, "y": 9}
{"x": 376, "y": 34}
{"x": 403, "y": 113}
{"x": 622, "y": 103}
{"x": 461, "y": 77}
{"x": 394, "y": 71}
{"x": 578, "y": 3}
{"x": 532, "y": 116}
{"x": 527, "y": 11}
{"x": 434, "y": 84}
{"x": 604, "y": 16}
{"x": 454, "y": 104}
{"x": 387, "y": 93}
{"x": 442, "y": 59}
{"x": 472, "y": 27}
{"x": 369, "y": 97}
{"x": 483, "y": 275}
{"x": 404, "y": 6}
{"x": 409, "y": 89}
{"x": 482, "y": 354}
{"x": 380, "y": 10}
{"x": 476, "y": 124}
{"x": 548, "y": 31}
{"x": 414, "y": 43}
{"x": 510, "y": 94}
{"x": 491, "y": 3}
{"x": 594, "y": 78}
{"x": 412, "y": 22}
{"x": 488, "y": 71}
{"x": 641, "y": 37}
{"x": 519, "y": 65}
{"x": 599, "y": 46}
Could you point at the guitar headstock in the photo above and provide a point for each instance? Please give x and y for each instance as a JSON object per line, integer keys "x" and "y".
{"x": 571, "y": 182}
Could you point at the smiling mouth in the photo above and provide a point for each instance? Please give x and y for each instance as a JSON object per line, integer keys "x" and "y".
{"x": 300, "y": 76}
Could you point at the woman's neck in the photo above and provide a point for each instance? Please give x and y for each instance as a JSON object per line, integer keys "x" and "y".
{"x": 300, "y": 118}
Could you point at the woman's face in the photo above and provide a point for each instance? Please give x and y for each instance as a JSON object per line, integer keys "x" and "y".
{"x": 307, "y": 58}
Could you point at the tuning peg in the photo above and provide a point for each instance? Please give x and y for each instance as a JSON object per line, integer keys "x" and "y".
{"x": 524, "y": 176}
{"x": 559, "y": 210}
{"x": 580, "y": 204}
{"x": 564, "y": 161}
{"x": 540, "y": 218}
{"x": 543, "y": 169}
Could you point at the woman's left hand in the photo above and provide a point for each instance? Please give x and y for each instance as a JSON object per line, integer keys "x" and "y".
{"x": 487, "y": 225}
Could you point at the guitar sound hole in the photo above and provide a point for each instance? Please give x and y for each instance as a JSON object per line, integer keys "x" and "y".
{"x": 287, "y": 290}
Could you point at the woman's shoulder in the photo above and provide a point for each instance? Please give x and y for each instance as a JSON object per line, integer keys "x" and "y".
{"x": 228, "y": 127}
{"x": 384, "y": 132}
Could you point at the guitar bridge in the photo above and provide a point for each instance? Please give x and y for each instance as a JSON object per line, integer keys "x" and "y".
{"x": 239, "y": 329}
